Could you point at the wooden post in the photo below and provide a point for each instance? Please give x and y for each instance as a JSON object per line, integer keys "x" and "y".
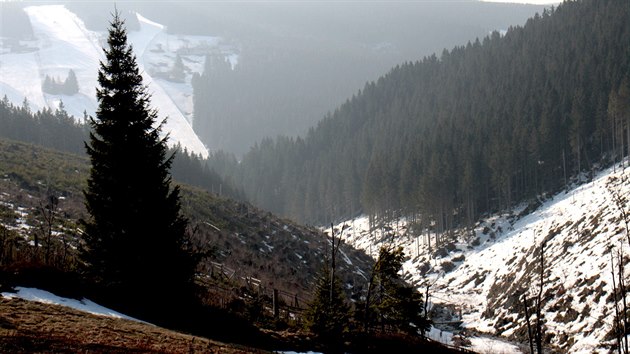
{"x": 276, "y": 309}
{"x": 529, "y": 326}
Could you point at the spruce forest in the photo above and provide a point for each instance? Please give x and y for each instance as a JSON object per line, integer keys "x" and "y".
{"x": 451, "y": 137}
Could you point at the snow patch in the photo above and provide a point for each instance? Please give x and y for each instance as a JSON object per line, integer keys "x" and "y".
{"x": 84, "y": 305}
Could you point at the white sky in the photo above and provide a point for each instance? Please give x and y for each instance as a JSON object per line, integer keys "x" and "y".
{"x": 533, "y": 2}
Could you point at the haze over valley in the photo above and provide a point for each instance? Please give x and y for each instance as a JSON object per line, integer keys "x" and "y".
{"x": 299, "y": 176}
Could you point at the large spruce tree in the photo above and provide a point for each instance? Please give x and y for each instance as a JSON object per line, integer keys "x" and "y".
{"x": 135, "y": 237}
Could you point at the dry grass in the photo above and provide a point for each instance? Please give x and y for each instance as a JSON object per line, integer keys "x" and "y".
{"x": 27, "y": 326}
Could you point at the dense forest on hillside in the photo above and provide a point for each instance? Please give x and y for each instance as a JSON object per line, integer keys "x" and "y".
{"x": 57, "y": 130}
{"x": 53, "y": 129}
{"x": 499, "y": 120}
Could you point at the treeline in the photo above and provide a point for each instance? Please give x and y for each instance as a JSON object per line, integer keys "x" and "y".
{"x": 69, "y": 86}
{"x": 53, "y": 129}
{"x": 57, "y": 130}
{"x": 487, "y": 124}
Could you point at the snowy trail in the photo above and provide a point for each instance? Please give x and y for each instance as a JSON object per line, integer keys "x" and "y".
{"x": 178, "y": 127}
{"x": 63, "y": 43}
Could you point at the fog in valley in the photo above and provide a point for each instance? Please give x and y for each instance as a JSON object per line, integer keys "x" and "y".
{"x": 315, "y": 176}
{"x": 288, "y": 63}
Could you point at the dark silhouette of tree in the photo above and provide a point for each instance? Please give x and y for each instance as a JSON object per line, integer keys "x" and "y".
{"x": 391, "y": 304}
{"x": 328, "y": 314}
{"x": 49, "y": 85}
{"x": 327, "y": 317}
{"x": 135, "y": 237}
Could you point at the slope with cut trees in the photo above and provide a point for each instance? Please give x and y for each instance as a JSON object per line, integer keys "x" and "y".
{"x": 446, "y": 139}
{"x": 244, "y": 250}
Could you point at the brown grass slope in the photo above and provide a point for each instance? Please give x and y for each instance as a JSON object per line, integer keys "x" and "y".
{"x": 27, "y": 326}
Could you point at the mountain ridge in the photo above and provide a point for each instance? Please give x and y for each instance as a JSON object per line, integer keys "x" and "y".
{"x": 487, "y": 124}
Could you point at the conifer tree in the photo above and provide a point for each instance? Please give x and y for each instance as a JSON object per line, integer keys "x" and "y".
{"x": 71, "y": 85}
{"x": 135, "y": 236}
{"x": 391, "y": 303}
{"x": 328, "y": 314}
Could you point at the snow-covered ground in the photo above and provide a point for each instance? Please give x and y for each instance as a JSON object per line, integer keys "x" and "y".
{"x": 62, "y": 43}
{"x": 485, "y": 274}
{"x": 85, "y": 305}
{"x": 478, "y": 344}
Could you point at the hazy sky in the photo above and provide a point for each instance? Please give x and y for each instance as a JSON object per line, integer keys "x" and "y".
{"x": 533, "y": 2}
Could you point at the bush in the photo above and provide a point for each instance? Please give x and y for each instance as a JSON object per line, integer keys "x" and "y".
{"x": 459, "y": 258}
{"x": 441, "y": 252}
{"x": 448, "y": 266}
{"x": 424, "y": 268}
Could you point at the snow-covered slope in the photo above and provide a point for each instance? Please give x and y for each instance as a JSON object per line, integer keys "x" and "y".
{"x": 485, "y": 273}
{"x": 85, "y": 305}
{"x": 62, "y": 43}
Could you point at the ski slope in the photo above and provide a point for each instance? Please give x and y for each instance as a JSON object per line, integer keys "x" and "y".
{"x": 61, "y": 43}
{"x": 487, "y": 272}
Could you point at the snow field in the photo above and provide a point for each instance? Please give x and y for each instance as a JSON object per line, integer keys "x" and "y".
{"x": 581, "y": 228}
{"x": 63, "y": 43}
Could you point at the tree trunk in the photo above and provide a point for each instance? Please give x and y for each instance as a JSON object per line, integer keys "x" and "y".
{"x": 529, "y": 326}
{"x": 539, "y": 333}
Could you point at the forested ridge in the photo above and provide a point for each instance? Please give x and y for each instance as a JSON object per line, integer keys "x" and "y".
{"x": 60, "y": 131}
{"x": 287, "y": 70}
{"x": 499, "y": 120}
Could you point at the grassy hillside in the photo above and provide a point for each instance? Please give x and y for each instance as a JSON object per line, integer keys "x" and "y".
{"x": 27, "y": 326}
{"x": 248, "y": 254}
{"x": 241, "y": 242}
